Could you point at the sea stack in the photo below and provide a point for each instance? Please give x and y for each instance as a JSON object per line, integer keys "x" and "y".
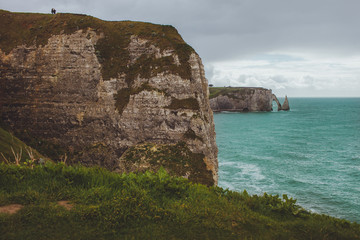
{"x": 285, "y": 106}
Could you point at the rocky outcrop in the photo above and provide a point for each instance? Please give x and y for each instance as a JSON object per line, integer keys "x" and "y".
{"x": 238, "y": 99}
{"x": 285, "y": 106}
{"x": 244, "y": 99}
{"x": 277, "y": 101}
{"x": 90, "y": 90}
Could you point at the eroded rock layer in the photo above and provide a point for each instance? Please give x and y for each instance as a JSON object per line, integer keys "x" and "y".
{"x": 241, "y": 99}
{"x": 244, "y": 99}
{"x": 78, "y": 87}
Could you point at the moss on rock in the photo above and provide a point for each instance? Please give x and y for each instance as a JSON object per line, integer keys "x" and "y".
{"x": 187, "y": 103}
{"x": 177, "y": 159}
{"x": 111, "y": 49}
{"x": 122, "y": 97}
{"x": 230, "y": 91}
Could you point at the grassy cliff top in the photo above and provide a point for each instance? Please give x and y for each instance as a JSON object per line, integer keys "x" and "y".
{"x": 35, "y": 29}
{"x": 104, "y": 205}
{"x": 217, "y": 91}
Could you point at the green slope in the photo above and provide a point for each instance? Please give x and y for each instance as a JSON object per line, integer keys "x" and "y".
{"x": 230, "y": 91}
{"x": 148, "y": 206}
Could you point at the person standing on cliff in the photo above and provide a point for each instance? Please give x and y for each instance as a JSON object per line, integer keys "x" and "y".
{"x": 53, "y": 11}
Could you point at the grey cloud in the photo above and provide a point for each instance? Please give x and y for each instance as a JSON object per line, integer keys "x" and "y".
{"x": 234, "y": 29}
{"x": 209, "y": 71}
{"x": 279, "y": 79}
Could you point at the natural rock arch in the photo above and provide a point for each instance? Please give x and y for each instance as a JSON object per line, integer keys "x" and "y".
{"x": 285, "y": 106}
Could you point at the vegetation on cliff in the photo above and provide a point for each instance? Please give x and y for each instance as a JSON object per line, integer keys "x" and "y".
{"x": 104, "y": 205}
{"x": 177, "y": 159}
{"x": 188, "y": 103}
{"x": 31, "y": 29}
{"x": 11, "y": 147}
{"x": 229, "y": 91}
{"x": 35, "y": 29}
{"x": 123, "y": 95}
{"x": 64, "y": 106}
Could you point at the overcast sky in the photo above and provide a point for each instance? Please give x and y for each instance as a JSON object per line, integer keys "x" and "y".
{"x": 302, "y": 48}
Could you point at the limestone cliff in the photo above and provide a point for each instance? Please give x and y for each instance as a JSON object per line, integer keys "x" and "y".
{"x": 244, "y": 99}
{"x": 99, "y": 91}
{"x": 240, "y": 99}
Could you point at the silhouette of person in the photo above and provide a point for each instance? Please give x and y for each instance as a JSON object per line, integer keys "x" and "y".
{"x": 53, "y": 11}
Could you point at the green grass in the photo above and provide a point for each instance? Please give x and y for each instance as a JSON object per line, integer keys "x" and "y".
{"x": 229, "y": 91}
{"x": 9, "y": 144}
{"x": 177, "y": 159}
{"x": 148, "y": 206}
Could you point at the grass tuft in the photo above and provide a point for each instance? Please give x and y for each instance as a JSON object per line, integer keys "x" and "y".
{"x": 12, "y": 150}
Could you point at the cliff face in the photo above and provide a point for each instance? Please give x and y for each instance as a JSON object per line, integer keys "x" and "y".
{"x": 239, "y": 99}
{"x": 76, "y": 86}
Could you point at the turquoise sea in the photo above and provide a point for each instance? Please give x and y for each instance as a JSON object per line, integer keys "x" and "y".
{"x": 311, "y": 153}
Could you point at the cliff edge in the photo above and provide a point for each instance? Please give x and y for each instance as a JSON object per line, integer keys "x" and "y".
{"x": 128, "y": 96}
